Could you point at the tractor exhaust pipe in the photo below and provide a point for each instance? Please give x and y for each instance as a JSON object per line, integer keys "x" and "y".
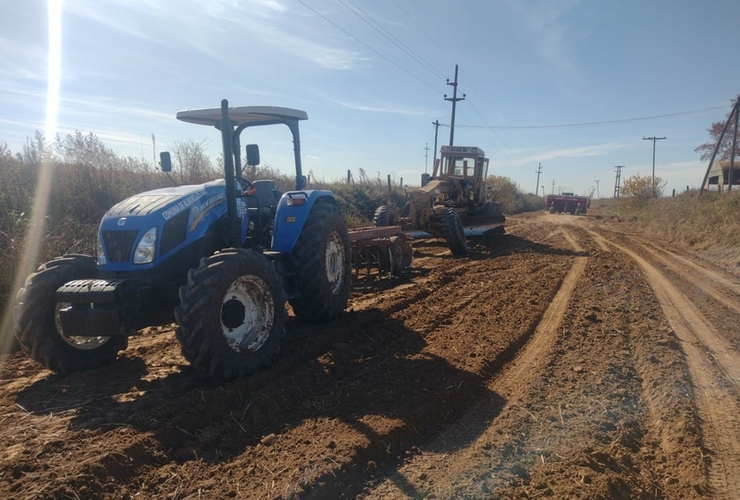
{"x": 233, "y": 230}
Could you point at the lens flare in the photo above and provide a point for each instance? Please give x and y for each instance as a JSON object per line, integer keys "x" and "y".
{"x": 35, "y": 231}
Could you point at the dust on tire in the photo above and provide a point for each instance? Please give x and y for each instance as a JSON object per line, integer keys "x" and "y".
{"x": 323, "y": 266}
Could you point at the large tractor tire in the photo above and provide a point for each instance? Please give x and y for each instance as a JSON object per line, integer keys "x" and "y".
{"x": 322, "y": 261}
{"x": 231, "y": 316}
{"x": 453, "y": 231}
{"x": 38, "y": 328}
{"x": 385, "y": 216}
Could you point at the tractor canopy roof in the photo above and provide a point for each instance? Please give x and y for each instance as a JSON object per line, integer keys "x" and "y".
{"x": 243, "y": 115}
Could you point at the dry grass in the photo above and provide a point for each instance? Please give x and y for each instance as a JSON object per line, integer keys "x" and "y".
{"x": 708, "y": 225}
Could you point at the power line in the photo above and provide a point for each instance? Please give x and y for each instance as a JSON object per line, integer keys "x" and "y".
{"x": 370, "y": 21}
{"x": 366, "y": 45}
{"x": 587, "y": 124}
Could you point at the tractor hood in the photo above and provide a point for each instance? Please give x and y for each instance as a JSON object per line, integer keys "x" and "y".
{"x": 171, "y": 217}
{"x": 173, "y": 198}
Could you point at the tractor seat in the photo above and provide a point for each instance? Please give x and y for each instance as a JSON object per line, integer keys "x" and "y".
{"x": 263, "y": 194}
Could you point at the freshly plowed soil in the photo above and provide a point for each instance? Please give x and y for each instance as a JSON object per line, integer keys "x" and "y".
{"x": 564, "y": 359}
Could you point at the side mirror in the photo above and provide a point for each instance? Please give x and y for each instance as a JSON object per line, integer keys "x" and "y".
{"x": 253, "y": 154}
{"x": 165, "y": 162}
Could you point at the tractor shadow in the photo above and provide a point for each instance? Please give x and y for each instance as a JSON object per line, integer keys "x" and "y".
{"x": 365, "y": 370}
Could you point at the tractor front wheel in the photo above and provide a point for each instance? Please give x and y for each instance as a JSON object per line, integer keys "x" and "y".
{"x": 39, "y": 330}
{"x": 385, "y": 216}
{"x": 453, "y": 231}
{"x": 323, "y": 266}
{"x": 231, "y": 316}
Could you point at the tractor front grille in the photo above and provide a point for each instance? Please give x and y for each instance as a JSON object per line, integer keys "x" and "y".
{"x": 119, "y": 244}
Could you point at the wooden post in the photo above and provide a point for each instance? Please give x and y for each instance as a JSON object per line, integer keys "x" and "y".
{"x": 389, "y": 183}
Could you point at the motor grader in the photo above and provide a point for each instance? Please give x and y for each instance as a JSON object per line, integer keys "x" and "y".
{"x": 452, "y": 203}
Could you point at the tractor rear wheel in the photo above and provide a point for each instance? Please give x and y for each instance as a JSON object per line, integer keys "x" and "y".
{"x": 39, "y": 330}
{"x": 454, "y": 232}
{"x": 231, "y": 316}
{"x": 322, "y": 261}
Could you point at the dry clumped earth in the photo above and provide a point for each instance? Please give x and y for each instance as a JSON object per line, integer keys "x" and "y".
{"x": 564, "y": 359}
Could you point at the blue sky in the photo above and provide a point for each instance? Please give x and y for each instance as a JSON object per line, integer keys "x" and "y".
{"x": 371, "y": 74}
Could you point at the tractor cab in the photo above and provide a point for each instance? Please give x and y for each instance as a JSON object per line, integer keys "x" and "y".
{"x": 259, "y": 198}
{"x": 243, "y": 117}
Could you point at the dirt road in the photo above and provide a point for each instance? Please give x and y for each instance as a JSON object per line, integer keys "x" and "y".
{"x": 561, "y": 360}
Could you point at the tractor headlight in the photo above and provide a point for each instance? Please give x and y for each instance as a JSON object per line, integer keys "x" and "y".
{"x": 144, "y": 252}
{"x": 102, "y": 259}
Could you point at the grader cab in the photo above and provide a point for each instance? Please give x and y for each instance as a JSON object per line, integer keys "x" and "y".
{"x": 452, "y": 203}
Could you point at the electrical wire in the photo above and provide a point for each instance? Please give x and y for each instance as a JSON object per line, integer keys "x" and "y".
{"x": 370, "y": 21}
{"x": 586, "y": 124}
{"x": 367, "y": 46}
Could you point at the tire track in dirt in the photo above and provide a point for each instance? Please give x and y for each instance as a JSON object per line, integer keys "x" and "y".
{"x": 525, "y": 365}
{"x": 522, "y": 366}
{"x": 709, "y": 274}
{"x": 717, "y": 404}
{"x": 710, "y": 282}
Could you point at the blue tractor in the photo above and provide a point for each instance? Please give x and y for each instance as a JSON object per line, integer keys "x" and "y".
{"x": 226, "y": 255}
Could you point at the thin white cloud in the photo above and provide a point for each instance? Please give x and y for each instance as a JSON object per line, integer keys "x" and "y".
{"x": 375, "y": 109}
{"x": 110, "y": 17}
{"x": 22, "y": 61}
{"x": 213, "y": 27}
{"x": 542, "y": 24}
{"x": 105, "y": 108}
{"x": 593, "y": 150}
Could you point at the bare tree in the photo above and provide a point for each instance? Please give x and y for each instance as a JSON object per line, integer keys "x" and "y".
{"x": 193, "y": 163}
{"x": 715, "y": 130}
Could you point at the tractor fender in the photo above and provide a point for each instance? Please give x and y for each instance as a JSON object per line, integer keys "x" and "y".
{"x": 291, "y": 217}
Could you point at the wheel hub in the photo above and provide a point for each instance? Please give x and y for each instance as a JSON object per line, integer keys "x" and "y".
{"x": 247, "y": 313}
{"x": 335, "y": 262}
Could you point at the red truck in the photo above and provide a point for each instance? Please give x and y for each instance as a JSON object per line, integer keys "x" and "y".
{"x": 567, "y": 202}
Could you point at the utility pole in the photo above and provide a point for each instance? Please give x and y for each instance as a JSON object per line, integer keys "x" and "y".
{"x": 553, "y": 186}
{"x": 732, "y": 156}
{"x": 436, "y": 129}
{"x": 734, "y": 113}
{"x": 654, "y": 139}
{"x": 454, "y": 100}
{"x": 537, "y": 186}
{"x": 618, "y": 180}
{"x": 426, "y": 156}
{"x": 597, "y": 188}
